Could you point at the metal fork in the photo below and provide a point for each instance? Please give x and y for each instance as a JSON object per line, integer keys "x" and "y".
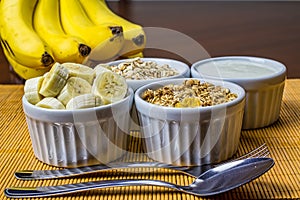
{"x": 195, "y": 171}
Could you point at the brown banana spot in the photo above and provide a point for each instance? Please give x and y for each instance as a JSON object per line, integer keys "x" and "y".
{"x": 47, "y": 59}
{"x": 116, "y": 30}
{"x": 139, "y": 40}
{"x": 84, "y": 50}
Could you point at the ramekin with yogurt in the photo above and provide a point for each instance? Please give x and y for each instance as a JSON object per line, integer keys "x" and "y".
{"x": 263, "y": 80}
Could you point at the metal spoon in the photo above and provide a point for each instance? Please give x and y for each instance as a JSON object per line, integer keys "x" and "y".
{"x": 214, "y": 181}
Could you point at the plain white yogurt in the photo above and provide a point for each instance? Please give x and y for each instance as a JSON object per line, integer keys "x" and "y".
{"x": 236, "y": 69}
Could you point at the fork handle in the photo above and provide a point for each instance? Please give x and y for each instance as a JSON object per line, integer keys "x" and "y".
{"x": 195, "y": 171}
{"x": 48, "y": 191}
{"x": 64, "y": 173}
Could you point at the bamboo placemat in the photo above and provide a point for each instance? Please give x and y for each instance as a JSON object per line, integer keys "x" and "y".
{"x": 282, "y": 138}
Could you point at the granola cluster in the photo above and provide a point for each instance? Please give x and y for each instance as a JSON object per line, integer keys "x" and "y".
{"x": 192, "y": 93}
{"x": 137, "y": 69}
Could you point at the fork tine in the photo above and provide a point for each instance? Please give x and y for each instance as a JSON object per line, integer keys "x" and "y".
{"x": 261, "y": 151}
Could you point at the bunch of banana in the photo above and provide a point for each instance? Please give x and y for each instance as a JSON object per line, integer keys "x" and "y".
{"x": 18, "y": 35}
{"x": 65, "y": 48}
{"x": 21, "y": 44}
{"x": 34, "y": 34}
{"x": 64, "y": 87}
{"x": 106, "y": 39}
{"x": 23, "y": 71}
{"x": 134, "y": 35}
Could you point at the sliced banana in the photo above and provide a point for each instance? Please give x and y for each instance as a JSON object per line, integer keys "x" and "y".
{"x": 54, "y": 81}
{"x": 189, "y": 102}
{"x": 110, "y": 86}
{"x": 31, "y": 89}
{"x": 84, "y": 101}
{"x": 79, "y": 70}
{"x": 75, "y": 86}
{"x": 45, "y": 74}
{"x": 50, "y": 103}
{"x": 100, "y": 68}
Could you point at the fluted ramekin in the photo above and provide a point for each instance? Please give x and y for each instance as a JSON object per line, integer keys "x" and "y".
{"x": 73, "y": 138}
{"x": 263, "y": 83}
{"x": 191, "y": 136}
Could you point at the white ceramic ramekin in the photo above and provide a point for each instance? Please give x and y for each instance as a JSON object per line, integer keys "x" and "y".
{"x": 263, "y": 80}
{"x": 72, "y": 138}
{"x": 191, "y": 136}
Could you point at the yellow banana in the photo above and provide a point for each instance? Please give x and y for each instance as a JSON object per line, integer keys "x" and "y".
{"x": 134, "y": 35}
{"x": 17, "y": 33}
{"x": 47, "y": 24}
{"x": 24, "y": 72}
{"x": 107, "y": 38}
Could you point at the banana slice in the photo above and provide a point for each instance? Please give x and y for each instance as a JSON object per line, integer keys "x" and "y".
{"x": 75, "y": 86}
{"x": 54, "y": 81}
{"x": 82, "y": 71}
{"x": 189, "y": 102}
{"x": 45, "y": 74}
{"x": 31, "y": 89}
{"x": 110, "y": 86}
{"x": 100, "y": 68}
{"x": 50, "y": 103}
{"x": 84, "y": 101}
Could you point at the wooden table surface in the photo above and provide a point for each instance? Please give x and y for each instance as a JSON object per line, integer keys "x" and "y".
{"x": 282, "y": 139}
{"x": 268, "y": 29}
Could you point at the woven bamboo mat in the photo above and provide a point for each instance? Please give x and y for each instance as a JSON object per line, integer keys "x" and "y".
{"x": 282, "y": 138}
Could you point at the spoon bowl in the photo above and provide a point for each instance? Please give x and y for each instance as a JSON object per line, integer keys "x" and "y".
{"x": 229, "y": 176}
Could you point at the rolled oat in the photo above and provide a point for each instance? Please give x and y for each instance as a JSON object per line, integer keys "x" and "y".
{"x": 137, "y": 69}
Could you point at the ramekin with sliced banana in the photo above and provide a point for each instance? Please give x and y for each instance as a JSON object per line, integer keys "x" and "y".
{"x": 75, "y": 86}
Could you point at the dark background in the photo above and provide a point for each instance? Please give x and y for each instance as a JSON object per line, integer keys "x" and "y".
{"x": 269, "y": 29}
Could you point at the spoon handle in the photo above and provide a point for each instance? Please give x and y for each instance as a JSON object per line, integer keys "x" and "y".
{"x": 47, "y": 191}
